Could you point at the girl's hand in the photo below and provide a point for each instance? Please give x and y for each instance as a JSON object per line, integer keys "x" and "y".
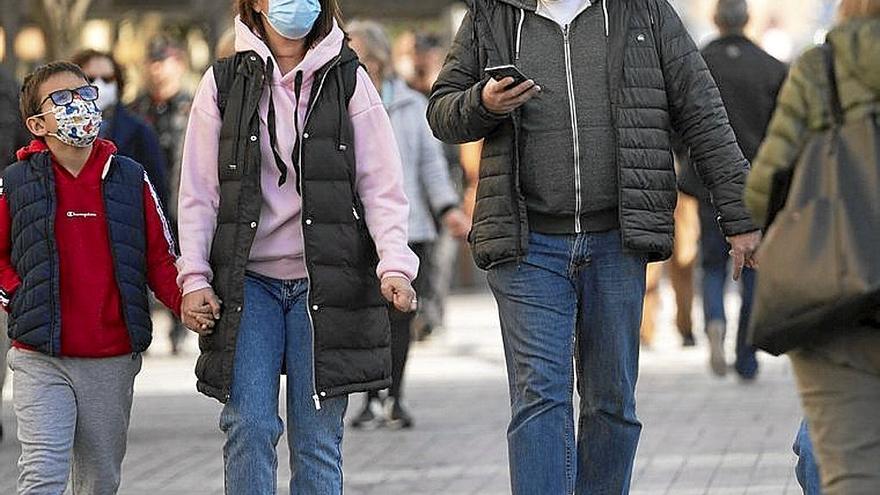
{"x": 399, "y": 291}
{"x": 199, "y": 311}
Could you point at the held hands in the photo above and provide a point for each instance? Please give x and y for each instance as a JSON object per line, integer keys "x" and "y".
{"x": 742, "y": 249}
{"x": 200, "y": 310}
{"x": 398, "y": 291}
{"x": 500, "y": 98}
{"x": 457, "y": 223}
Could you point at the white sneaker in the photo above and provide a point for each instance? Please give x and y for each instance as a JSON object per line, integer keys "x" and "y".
{"x": 717, "y": 361}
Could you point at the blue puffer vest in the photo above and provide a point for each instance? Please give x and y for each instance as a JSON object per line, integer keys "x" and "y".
{"x": 35, "y": 308}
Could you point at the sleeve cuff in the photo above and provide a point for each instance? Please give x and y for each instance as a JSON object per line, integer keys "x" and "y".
{"x": 396, "y": 274}
{"x": 195, "y": 284}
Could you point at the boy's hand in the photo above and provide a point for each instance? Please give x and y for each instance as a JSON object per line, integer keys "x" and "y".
{"x": 200, "y": 310}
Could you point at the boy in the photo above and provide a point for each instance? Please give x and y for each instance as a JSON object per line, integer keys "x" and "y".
{"x": 81, "y": 237}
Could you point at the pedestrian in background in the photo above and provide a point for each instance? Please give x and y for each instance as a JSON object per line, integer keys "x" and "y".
{"x": 429, "y": 190}
{"x": 12, "y": 138}
{"x": 749, "y": 80}
{"x": 82, "y": 238}
{"x": 165, "y": 105}
{"x": 133, "y": 137}
{"x": 831, "y": 96}
{"x": 429, "y": 55}
{"x": 679, "y": 268}
{"x": 299, "y": 227}
{"x": 576, "y": 195}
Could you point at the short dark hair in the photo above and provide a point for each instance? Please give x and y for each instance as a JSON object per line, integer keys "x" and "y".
{"x": 731, "y": 15}
{"x": 85, "y": 56}
{"x": 330, "y": 11}
{"x": 30, "y": 89}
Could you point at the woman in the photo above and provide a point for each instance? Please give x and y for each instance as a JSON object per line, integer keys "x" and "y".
{"x": 428, "y": 188}
{"x": 292, "y": 217}
{"x": 839, "y": 379}
{"x": 134, "y": 137}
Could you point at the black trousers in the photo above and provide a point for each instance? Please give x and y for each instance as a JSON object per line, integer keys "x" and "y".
{"x": 401, "y": 323}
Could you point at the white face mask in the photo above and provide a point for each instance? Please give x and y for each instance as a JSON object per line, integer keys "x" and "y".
{"x": 108, "y": 94}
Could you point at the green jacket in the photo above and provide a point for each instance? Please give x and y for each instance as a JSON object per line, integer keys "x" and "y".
{"x": 804, "y": 103}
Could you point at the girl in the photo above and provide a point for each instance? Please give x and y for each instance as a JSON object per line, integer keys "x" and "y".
{"x": 293, "y": 218}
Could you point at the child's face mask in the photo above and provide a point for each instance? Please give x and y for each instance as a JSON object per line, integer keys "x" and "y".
{"x": 77, "y": 116}
{"x": 293, "y": 19}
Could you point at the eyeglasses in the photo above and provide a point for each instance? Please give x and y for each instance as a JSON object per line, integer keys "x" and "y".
{"x": 64, "y": 97}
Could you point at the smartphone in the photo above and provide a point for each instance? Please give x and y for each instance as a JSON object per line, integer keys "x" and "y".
{"x": 501, "y": 72}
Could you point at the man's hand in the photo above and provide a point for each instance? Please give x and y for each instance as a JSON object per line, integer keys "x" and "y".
{"x": 501, "y": 99}
{"x": 742, "y": 249}
{"x": 398, "y": 291}
{"x": 457, "y": 223}
{"x": 200, "y": 310}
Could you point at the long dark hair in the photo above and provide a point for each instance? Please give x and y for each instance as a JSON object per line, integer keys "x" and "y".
{"x": 330, "y": 11}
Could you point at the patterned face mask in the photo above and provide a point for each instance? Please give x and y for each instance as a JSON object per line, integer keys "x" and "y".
{"x": 79, "y": 122}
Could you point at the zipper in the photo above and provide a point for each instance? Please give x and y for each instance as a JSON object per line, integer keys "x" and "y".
{"x": 316, "y": 397}
{"x": 50, "y": 222}
{"x": 574, "y": 129}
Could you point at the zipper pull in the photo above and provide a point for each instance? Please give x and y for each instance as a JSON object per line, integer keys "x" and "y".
{"x": 356, "y": 216}
{"x": 317, "y": 402}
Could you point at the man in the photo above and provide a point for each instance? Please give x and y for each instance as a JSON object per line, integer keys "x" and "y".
{"x": 577, "y": 192}
{"x": 166, "y": 106}
{"x": 749, "y": 80}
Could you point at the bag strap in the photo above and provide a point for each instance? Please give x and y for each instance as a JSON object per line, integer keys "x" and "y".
{"x": 836, "y": 105}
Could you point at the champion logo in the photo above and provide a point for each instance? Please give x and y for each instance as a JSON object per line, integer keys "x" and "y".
{"x": 76, "y": 214}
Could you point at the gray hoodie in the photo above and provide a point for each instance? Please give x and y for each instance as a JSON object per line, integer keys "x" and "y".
{"x": 425, "y": 172}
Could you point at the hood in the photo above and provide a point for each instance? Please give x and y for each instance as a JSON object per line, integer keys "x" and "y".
{"x": 102, "y": 150}
{"x": 857, "y": 47}
{"x": 529, "y": 5}
{"x": 316, "y": 57}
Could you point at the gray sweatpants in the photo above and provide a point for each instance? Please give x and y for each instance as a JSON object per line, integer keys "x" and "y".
{"x": 72, "y": 421}
{"x": 4, "y": 347}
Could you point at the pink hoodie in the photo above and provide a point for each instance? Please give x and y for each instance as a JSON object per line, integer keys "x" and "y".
{"x": 277, "y": 251}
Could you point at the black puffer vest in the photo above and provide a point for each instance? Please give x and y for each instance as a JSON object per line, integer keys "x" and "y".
{"x": 36, "y": 306}
{"x": 348, "y": 313}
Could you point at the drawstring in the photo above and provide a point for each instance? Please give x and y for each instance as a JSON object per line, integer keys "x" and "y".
{"x": 297, "y": 144}
{"x": 273, "y": 134}
{"x": 605, "y": 11}
{"x": 519, "y": 29}
{"x": 474, "y": 36}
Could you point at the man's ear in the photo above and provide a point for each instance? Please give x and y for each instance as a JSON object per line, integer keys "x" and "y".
{"x": 37, "y": 126}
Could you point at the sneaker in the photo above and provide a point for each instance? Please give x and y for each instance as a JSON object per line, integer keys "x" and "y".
{"x": 396, "y": 414}
{"x": 715, "y": 330}
{"x": 688, "y": 340}
{"x": 370, "y": 416}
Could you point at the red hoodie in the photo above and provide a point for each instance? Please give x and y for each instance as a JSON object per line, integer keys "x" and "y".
{"x": 92, "y": 323}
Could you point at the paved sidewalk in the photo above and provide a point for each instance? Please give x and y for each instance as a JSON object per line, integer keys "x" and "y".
{"x": 702, "y": 435}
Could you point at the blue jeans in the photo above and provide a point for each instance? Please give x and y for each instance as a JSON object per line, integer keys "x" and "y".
{"x": 573, "y": 296}
{"x": 275, "y": 335}
{"x": 714, "y": 251}
{"x": 807, "y": 470}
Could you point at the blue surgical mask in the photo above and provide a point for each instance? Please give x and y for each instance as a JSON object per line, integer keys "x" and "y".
{"x": 293, "y": 19}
